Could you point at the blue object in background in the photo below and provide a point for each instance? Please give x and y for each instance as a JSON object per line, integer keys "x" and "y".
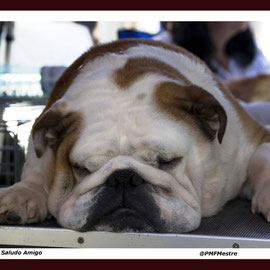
{"x": 133, "y": 34}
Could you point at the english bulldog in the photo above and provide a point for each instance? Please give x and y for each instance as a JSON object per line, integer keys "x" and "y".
{"x": 139, "y": 135}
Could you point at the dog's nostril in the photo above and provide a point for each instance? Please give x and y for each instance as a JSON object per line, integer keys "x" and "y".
{"x": 124, "y": 177}
{"x": 136, "y": 180}
{"x": 112, "y": 181}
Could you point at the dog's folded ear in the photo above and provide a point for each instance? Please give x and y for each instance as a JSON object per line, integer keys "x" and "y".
{"x": 51, "y": 127}
{"x": 204, "y": 108}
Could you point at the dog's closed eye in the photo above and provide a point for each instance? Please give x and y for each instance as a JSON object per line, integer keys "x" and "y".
{"x": 80, "y": 170}
{"x": 169, "y": 163}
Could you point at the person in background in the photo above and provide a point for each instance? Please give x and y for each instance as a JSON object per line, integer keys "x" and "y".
{"x": 230, "y": 51}
{"x": 228, "y": 48}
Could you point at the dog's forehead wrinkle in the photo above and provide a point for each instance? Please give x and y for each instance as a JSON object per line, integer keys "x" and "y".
{"x": 162, "y": 146}
{"x": 97, "y": 153}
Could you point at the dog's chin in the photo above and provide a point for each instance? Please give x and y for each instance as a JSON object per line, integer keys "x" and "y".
{"x": 124, "y": 220}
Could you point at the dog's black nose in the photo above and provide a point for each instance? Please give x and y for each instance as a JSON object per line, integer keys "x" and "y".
{"x": 125, "y": 177}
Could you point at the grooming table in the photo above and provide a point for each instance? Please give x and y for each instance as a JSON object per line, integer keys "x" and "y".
{"x": 235, "y": 226}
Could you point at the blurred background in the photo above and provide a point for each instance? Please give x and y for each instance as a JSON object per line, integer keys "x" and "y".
{"x": 34, "y": 55}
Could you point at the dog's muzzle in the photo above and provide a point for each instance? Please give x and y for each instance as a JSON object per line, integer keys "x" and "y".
{"x": 125, "y": 203}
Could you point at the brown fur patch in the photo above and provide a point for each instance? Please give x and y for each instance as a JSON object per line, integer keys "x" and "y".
{"x": 72, "y": 130}
{"x": 137, "y": 67}
{"x": 60, "y": 126}
{"x": 194, "y": 106}
{"x": 71, "y": 127}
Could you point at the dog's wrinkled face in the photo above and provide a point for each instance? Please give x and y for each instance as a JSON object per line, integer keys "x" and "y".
{"x": 132, "y": 147}
{"x": 132, "y": 172}
{"x": 132, "y": 169}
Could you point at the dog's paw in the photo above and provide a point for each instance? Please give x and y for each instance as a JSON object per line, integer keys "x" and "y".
{"x": 22, "y": 204}
{"x": 261, "y": 202}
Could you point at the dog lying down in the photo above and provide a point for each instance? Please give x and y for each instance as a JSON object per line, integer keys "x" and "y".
{"x": 140, "y": 136}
